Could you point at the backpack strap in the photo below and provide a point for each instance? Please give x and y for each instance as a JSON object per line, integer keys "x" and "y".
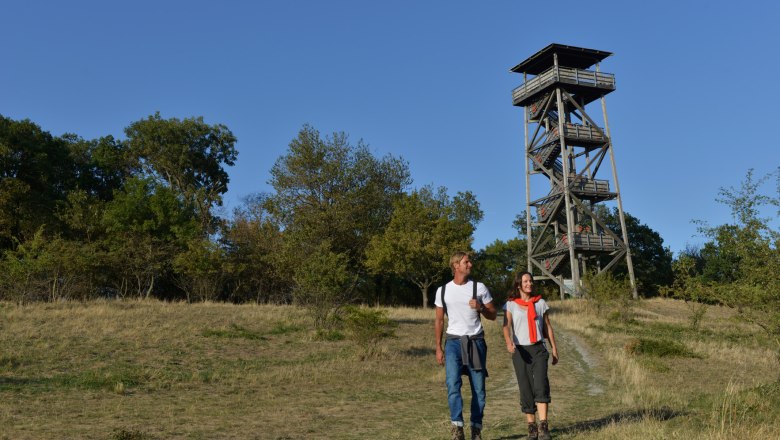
{"x": 474, "y": 296}
{"x": 443, "y": 288}
{"x": 443, "y": 303}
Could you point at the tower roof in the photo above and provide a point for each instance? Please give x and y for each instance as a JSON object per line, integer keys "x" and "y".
{"x": 568, "y": 56}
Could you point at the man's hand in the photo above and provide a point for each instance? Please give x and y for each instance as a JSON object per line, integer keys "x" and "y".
{"x": 475, "y": 304}
{"x": 510, "y": 347}
{"x": 439, "y": 356}
{"x": 555, "y": 356}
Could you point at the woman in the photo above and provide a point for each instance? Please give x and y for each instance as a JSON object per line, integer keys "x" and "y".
{"x": 527, "y": 318}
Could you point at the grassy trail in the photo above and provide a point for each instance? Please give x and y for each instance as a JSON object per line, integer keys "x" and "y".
{"x": 154, "y": 371}
{"x": 578, "y": 389}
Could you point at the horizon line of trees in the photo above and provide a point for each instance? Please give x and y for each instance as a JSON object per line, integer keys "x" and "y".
{"x": 137, "y": 217}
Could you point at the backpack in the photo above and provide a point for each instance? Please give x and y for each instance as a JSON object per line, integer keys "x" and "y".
{"x": 444, "y": 303}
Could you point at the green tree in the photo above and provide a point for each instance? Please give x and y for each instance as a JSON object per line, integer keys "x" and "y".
{"x": 253, "y": 243}
{"x": 147, "y": 225}
{"x": 48, "y": 269}
{"x": 497, "y": 264}
{"x": 331, "y": 198}
{"x": 689, "y": 287}
{"x": 36, "y": 172}
{"x": 425, "y": 229}
{"x": 752, "y": 245}
{"x": 101, "y": 166}
{"x": 199, "y": 270}
{"x": 651, "y": 259}
{"x": 323, "y": 283}
{"x": 187, "y": 155}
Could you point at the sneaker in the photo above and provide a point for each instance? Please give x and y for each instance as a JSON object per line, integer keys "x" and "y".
{"x": 533, "y": 431}
{"x": 457, "y": 433}
{"x": 476, "y": 433}
{"x": 544, "y": 431}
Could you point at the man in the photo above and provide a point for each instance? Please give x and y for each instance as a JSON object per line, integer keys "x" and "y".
{"x": 465, "y": 351}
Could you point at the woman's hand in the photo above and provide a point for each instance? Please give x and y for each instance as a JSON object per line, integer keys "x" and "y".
{"x": 555, "y": 356}
{"x": 510, "y": 346}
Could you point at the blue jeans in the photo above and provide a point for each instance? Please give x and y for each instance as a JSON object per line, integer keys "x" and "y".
{"x": 453, "y": 366}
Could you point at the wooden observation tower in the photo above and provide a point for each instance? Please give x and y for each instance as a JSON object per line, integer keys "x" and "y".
{"x": 569, "y": 149}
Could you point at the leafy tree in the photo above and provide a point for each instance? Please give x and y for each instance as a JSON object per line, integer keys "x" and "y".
{"x": 752, "y": 245}
{"x": 146, "y": 225}
{"x": 48, "y": 268}
{"x": 652, "y": 261}
{"x": 253, "y": 243}
{"x": 497, "y": 264}
{"x": 25, "y": 273}
{"x": 425, "y": 229}
{"x": 721, "y": 261}
{"x": 323, "y": 283}
{"x": 35, "y": 174}
{"x": 331, "y": 198}
{"x": 689, "y": 287}
{"x": 101, "y": 166}
{"x": 187, "y": 155}
{"x": 198, "y": 270}
{"x": 741, "y": 263}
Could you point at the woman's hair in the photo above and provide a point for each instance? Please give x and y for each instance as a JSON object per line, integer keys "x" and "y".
{"x": 514, "y": 293}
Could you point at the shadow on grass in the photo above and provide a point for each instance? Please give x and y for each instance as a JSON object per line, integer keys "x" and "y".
{"x": 413, "y": 321}
{"x": 20, "y": 383}
{"x": 659, "y": 414}
{"x": 419, "y": 352}
{"x": 110, "y": 380}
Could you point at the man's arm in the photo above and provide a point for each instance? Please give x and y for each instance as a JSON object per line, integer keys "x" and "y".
{"x": 489, "y": 311}
{"x": 439, "y": 327}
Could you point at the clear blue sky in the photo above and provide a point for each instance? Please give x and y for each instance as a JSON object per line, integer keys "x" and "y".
{"x": 695, "y": 108}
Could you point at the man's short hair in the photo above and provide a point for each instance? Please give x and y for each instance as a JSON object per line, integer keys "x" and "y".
{"x": 455, "y": 259}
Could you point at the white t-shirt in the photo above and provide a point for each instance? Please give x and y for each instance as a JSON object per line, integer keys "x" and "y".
{"x": 462, "y": 319}
{"x": 520, "y": 321}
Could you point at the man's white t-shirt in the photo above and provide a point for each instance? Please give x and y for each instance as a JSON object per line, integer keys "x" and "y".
{"x": 462, "y": 319}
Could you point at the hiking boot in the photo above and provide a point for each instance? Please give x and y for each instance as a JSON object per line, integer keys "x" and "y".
{"x": 476, "y": 433}
{"x": 544, "y": 430}
{"x": 533, "y": 431}
{"x": 457, "y": 433}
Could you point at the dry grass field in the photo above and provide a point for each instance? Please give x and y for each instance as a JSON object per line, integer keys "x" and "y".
{"x": 154, "y": 370}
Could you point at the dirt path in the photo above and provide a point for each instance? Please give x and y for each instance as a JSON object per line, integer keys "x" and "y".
{"x": 578, "y": 388}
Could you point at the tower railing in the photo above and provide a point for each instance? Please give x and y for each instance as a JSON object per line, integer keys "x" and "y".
{"x": 562, "y": 74}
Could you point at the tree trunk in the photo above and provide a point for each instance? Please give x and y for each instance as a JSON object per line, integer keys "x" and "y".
{"x": 424, "y": 288}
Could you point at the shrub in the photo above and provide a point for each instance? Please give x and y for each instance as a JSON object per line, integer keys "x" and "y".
{"x": 323, "y": 283}
{"x": 658, "y": 348}
{"x": 366, "y": 327}
{"x": 609, "y": 295}
{"x": 689, "y": 287}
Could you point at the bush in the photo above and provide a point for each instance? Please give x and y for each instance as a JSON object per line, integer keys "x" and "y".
{"x": 609, "y": 295}
{"x": 658, "y": 348}
{"x": 366, "y": 327}
{"x": 689, "y": 287}
{"x": 323, "y": 284}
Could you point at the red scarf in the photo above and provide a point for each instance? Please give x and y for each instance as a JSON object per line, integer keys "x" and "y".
{"x": 531, "y": 313}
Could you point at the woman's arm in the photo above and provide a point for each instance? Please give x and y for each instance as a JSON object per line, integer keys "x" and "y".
{"x": 510, "y": 346}
{"x": 550, "y": 334}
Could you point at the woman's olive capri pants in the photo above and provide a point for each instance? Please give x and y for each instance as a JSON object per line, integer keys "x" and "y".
{"x": 530, "y": 362}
